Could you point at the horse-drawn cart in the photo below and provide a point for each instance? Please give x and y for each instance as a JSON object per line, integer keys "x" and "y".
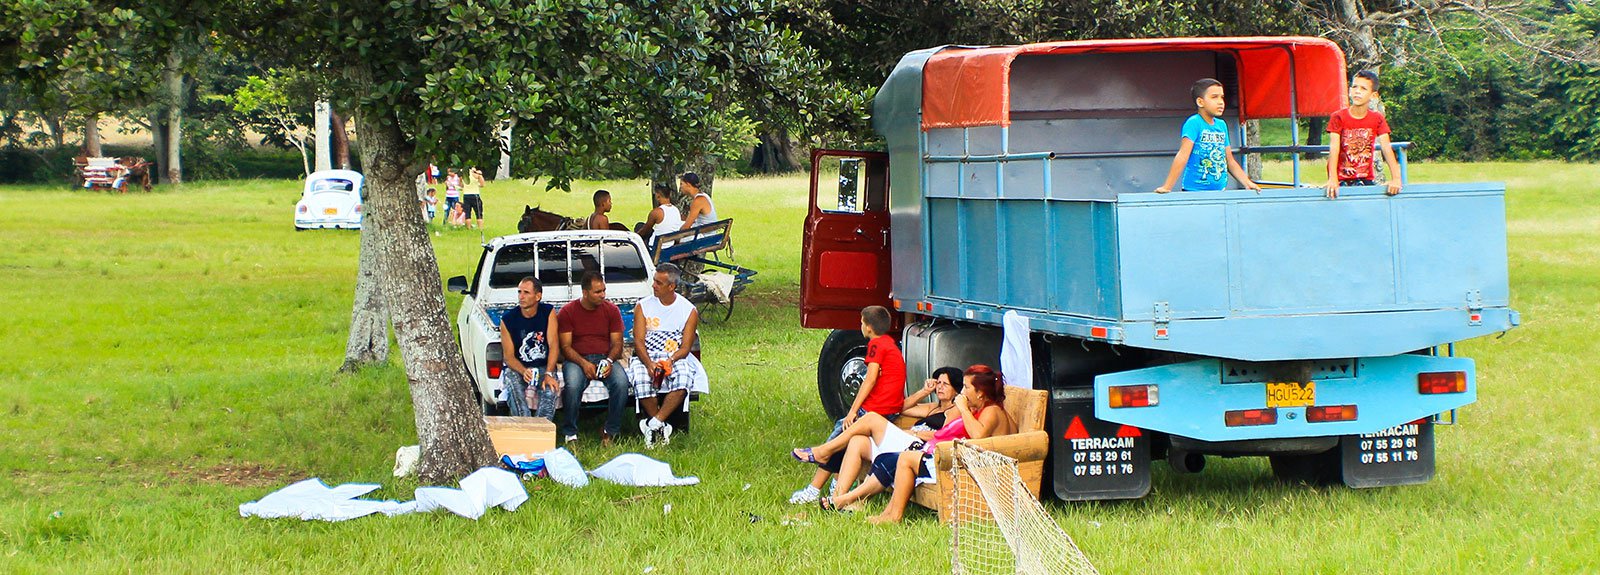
{"x": 708, "y": 280}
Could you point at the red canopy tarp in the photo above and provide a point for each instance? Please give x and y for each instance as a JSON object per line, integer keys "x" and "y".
{"x": 966, "y": 87}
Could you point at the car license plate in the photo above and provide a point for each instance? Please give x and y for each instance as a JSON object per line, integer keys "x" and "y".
{"x": 1291, "y": 394}
{"x": 330, "y": 211}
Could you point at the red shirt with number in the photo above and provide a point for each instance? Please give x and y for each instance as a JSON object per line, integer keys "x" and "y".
{"x": 1356, "y": 138}
{"x": 889, "y": 393}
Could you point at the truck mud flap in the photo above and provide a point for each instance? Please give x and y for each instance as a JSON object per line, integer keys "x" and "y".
{"x": 1094, "y": 459}
{"x": 1400, "y": 455}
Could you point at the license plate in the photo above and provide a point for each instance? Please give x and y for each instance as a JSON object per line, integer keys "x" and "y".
{"x": 1291, "y": 394}
{"x": 330, "y": 211}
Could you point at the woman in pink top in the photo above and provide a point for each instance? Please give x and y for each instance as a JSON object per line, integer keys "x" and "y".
{"x": 984, "y": 389}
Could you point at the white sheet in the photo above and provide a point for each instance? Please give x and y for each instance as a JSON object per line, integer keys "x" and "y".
{"x": 640, "y": 471}
{"x": 314, "y": 500}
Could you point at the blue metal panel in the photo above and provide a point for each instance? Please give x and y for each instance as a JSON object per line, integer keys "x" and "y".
{"x": 1026, "y": 282}
{"x": 897, "y": 115}
{"x": 1287, "y": 263}
{"x": 978, "y": 180}
{"x": 1193, "y": 399}
{"x": 983, "y": 267}
{"x": 1174, "y": 254}
{"x": 1316, "y": 336}
{"x": 1439, "y": 272}
{"x": 944, "y": 271}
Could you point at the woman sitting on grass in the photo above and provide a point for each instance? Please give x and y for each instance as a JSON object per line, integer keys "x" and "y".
{"x": 885, "y": 437}
{"x": 904, "y": 471}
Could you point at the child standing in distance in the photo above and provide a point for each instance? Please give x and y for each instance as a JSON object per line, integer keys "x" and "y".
{"x": 1203, "y": 158}
{"x": 431, "y": 204}
{"x": 1352, "y": 134}
{"x": 452, "y": 191}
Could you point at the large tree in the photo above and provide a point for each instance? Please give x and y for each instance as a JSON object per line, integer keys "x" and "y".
{"x": 434, "y": 80}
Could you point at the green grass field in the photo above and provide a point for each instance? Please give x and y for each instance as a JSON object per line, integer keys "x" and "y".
{"x": 167, "y": 357}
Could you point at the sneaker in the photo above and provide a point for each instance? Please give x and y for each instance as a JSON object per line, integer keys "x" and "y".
{"x": 805, "y": 496}
{"x": 649, "y": 434}
{"x": 569, "y": 440}
{"x": 666, "y": 432}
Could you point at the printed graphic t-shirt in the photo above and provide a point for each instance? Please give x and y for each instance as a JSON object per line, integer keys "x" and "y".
{"x": 1356, "y": 137}
{"x": 528, "y": 334}
{"x": 889, "y": 393}
{"x": 591, "y": 330}
{"x": 1207, "y": 169}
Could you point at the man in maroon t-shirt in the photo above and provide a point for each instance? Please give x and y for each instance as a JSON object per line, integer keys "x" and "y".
{"x": 1352, "y": 134}
{"x": 591, "y": 342}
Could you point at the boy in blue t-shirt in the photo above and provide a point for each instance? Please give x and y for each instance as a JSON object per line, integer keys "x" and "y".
{"x": 1203, "y": 158}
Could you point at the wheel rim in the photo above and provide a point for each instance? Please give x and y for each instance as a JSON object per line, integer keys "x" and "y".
{"x": 851, "y": 375}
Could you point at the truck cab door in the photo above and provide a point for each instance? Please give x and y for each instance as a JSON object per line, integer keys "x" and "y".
{"x": 845, "y": 260}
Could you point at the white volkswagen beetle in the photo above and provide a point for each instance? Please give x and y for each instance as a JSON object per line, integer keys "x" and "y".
{"x": 332, "y": 199}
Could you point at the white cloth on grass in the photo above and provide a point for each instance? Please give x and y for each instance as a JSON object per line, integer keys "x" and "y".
{"x": 314, "y": 500}
{"x": 640, "y": 471}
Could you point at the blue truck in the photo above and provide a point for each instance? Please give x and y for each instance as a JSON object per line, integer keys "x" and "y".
{"x": 1317, "y": 332}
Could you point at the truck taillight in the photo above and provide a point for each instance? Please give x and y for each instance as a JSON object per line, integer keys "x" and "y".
{"x": 1246, "y": 417}
{"x": 493, "y": 367}
{"x": 302, "y": 208}
{"x": 358, "y": 208}
{"x": 1441, "y": 382}
{"x": 1133, "y": 395}
{"x": 1322, "y": 413}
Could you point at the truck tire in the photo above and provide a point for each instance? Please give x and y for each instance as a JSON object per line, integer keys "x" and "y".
{"x": 840, "y": 368}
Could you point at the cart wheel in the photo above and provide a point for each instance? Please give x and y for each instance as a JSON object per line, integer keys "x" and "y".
{"x": 712, "y": 311}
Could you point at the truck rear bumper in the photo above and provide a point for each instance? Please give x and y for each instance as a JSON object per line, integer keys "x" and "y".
{"x": 1193, "y": 398}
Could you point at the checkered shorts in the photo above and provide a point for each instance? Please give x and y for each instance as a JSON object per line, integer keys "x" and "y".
{"x": 682, "y": 378}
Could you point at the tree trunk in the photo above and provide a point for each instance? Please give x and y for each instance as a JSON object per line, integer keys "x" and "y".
{"x": 52, "y": 122}
{"x": 341, "y": 141}
{"x": 450, "y": 425}
{"x": 504, "y": 171}
{"x": 158, "y": 137}
{"x": 91, "y": 136}
{"x": 324, "y": 149}
{"x": 1363, "y": 45}
{"x": 369, "y": 318}
{"x": 774, "y": 153}
{"x": 172, "y": 82}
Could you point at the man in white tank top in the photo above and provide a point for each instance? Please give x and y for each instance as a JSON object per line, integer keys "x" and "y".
{"x": 701, "y": 210}
{"x": 663, "y": 370}
{"x": 664, "y": 219}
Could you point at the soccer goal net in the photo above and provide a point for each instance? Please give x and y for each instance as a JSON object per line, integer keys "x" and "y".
{"x": 997, "y": 526}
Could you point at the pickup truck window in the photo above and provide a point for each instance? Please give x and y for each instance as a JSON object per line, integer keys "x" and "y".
{"x": 622, "y": 262}
{"x": 563, "y": 262}
{"x": 511, "y": 264}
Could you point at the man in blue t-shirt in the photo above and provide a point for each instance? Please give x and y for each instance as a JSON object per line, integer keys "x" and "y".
{"x": 1203, "y": 158}
{"x": 529, "y": 349}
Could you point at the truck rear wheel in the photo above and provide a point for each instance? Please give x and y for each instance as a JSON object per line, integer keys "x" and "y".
{"x": 840, "y": 368}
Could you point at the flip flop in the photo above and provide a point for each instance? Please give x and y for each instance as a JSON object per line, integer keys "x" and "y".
{"x": 826, "y": 503}
{"x": 809, "y": 456}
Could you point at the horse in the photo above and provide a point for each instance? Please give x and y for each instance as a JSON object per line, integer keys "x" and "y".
{"x": 537, "y": 220}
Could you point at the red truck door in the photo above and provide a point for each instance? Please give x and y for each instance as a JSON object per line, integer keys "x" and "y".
{"x": 845, "y": 262}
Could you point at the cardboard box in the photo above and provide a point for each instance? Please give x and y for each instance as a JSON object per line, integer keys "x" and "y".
{"x": 525, "y": 436}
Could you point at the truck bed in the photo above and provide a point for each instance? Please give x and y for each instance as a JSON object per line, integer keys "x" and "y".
{"x": 1287, "y": 274}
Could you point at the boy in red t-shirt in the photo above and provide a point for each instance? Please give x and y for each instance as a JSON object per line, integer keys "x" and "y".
{"x": 883, "y": 390}
{"x": 1352, "y": 133}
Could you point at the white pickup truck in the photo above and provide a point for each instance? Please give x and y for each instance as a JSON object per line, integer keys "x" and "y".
{"x": 559, "y": 260}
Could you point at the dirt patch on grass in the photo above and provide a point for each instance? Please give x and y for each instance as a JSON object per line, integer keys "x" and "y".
{"x": 242, "y": 474}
